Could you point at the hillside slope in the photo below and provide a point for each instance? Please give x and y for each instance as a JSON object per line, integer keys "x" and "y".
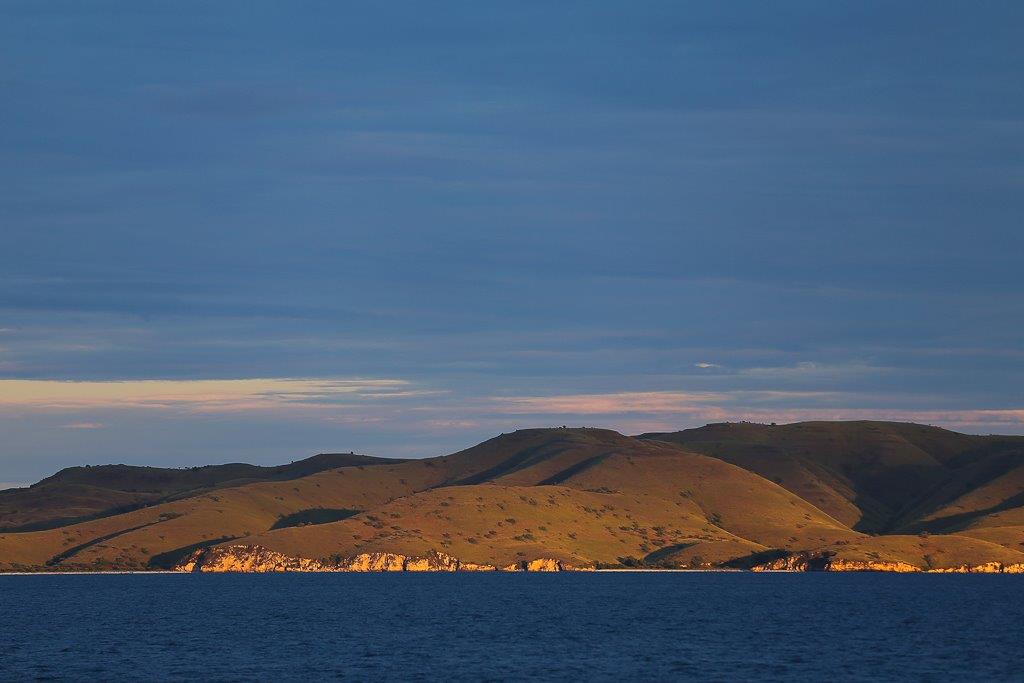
{"x": 723, "y": 495}
{"x": 77, "y": 494}
{"x": 877, "y": 477}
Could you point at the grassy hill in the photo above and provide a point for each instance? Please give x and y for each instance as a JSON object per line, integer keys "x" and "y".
{"x": 877, "y": 477}
{"x": 77, "y": 494}
{"x": 732, "y": 494}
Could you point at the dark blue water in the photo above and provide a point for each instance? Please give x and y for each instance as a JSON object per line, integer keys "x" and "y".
{"x": 512, "y": 626}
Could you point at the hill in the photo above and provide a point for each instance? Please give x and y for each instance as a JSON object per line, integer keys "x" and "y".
{"x": 867, "y": 494}
{"x": 877, "y": 477}
{"x": 77, "y": 494}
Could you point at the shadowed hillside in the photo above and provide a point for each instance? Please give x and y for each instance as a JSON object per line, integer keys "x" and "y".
{"x": 877, "y": 477}
{"x": 722, "y": 495}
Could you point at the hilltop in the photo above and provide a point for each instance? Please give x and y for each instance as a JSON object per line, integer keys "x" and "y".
{"x": 807, "y": 495}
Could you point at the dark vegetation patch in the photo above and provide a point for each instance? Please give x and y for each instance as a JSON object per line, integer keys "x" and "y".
{"x": 575, "y": 469}
{"x": 663, "y": 554}
{"x": 521, "y": 460}
{"x": 314, "y": 516}
{"x": 60, "y": 557}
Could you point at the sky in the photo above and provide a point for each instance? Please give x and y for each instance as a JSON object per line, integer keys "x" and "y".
{"x": 254, "y": 231}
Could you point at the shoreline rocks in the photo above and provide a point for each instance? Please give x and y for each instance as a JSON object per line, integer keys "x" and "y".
{"x": 987, "y": 568}
{"x": 806, "y": 562}
{"x": 257, "y": 559}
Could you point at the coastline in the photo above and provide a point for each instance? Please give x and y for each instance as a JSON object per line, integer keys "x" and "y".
{"x": 625, "y": 570}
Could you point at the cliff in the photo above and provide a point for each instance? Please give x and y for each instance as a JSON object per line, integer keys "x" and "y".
{"x": 808, "y": 562}
{"x": 987, "y": 568}
{"x": 257, "y": 559}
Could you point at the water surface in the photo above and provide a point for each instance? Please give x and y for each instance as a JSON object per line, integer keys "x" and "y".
{"x": 603, "y": 626}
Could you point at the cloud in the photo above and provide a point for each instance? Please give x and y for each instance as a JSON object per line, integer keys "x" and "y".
{"x": 671, "y": 410}
{"x": 813, "y": 370}
{"x": 396, "y": 404}
{"x": 606, "y": 404}
{"x": 652, "y": 402}
{"x": 705, "y": 366}
{"x": 198, "y": 395}
{"x": 452, "y": 424}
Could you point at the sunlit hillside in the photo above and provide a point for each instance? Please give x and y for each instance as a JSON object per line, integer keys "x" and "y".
{"x": 725, "y": 495}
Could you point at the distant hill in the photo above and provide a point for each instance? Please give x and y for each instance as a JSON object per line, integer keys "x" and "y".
{"x": 78, "y": 494}
{"x": 853, "y": 494}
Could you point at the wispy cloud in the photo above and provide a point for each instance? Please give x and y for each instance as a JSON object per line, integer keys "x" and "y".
{"x": 654, "y": 402}
{"x": 390, "y": 404}
{"x": 84, "y": 425}
{"x": 198, "y": 395}
{"x": 606, "y": 404}
{"x": 813, "y": 370}
{"x": 664, "y": 410}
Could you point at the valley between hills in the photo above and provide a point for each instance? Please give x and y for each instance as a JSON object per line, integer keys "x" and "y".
{"x": 829, "y": 496}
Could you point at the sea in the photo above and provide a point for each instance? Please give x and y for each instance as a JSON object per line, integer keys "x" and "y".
{"x": 722, "y": 626}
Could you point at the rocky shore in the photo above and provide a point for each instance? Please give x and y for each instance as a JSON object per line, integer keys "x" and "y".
{"x": 807, "y": 562}
{"x": 257, "y": 559}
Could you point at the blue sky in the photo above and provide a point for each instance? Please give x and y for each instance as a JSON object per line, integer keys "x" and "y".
{"x": 401, "y": 228}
